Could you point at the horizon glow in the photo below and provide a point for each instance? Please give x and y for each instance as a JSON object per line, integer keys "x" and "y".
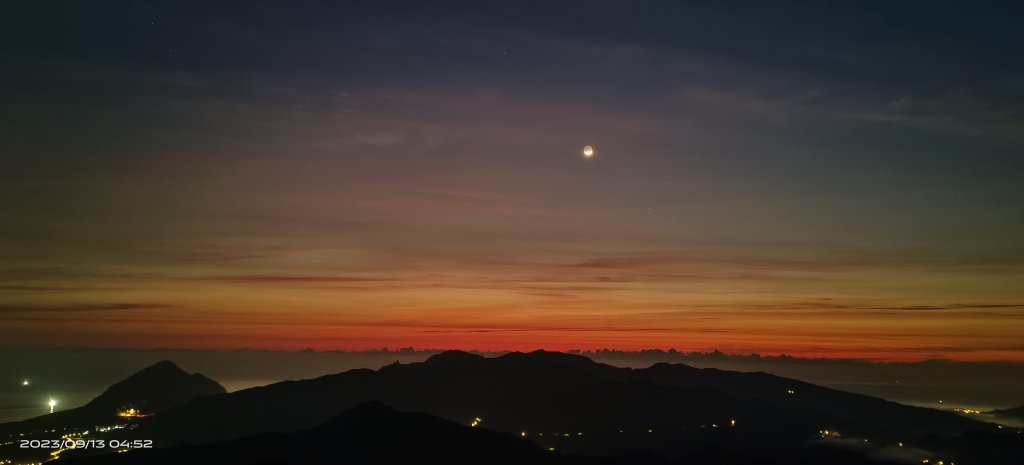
{"x": 354, "y": 178}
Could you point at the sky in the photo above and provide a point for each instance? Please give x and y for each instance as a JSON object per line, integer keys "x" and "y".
{"x": 837, "y": 179}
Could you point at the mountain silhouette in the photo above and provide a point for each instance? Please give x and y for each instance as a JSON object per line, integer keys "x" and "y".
{"x": 149, "y": 391}
{"x": 1015, "y": 412}
{"x": 861, "y": 414}
{"x": 977, "y": 447}
{"x": 371, "y": 433}
{"x": 671, "y": 410}
{"x": 539, "y": 402}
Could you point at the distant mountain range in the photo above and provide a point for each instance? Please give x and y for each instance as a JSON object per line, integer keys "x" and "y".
{"x": 1015, "y": 412}
{"x": 548, "y": 407}
{"x": 554, "y": 392}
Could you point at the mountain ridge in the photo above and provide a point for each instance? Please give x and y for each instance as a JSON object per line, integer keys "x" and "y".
{"x": 515, "y": 389}
{"x": 149, "y": 390}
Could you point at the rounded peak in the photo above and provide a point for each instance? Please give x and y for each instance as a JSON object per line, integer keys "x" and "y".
{"x": 547, "y": 357}
{"x": 370, "y": 407}
{"x": 671, "y": 366}
{"x": 453, "y": 356}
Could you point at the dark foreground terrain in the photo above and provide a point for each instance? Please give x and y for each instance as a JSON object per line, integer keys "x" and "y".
{"x": 540, "y": 407}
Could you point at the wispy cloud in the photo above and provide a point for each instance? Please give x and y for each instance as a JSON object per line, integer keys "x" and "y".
{"x": 289, "y": 279}
{"x": 79, "y": 308}
{"x": 948, "y": 113}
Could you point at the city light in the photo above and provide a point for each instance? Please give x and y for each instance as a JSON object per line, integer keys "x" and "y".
{"x": 131, "y": 413}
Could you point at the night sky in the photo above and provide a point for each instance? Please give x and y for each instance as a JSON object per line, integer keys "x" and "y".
{"x": 840, "y": 179}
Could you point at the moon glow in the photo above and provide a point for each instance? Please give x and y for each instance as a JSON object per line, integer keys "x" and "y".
{"x": 588, "y": 151}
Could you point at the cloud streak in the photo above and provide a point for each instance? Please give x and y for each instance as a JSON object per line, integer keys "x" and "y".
{"x": 80, "y": 308}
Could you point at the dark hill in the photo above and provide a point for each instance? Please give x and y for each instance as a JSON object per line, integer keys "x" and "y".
{"x": 975, "y": 447}
{"x": 673, "y": 410}
{"x": 155, "y": 388}
{"x": 865, "y": 414}
{"x": 1015, "y": 412}
{"x": 540, "y": 393}
{"x": 151, "y": 390}
{"x": 371, "y": 433}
